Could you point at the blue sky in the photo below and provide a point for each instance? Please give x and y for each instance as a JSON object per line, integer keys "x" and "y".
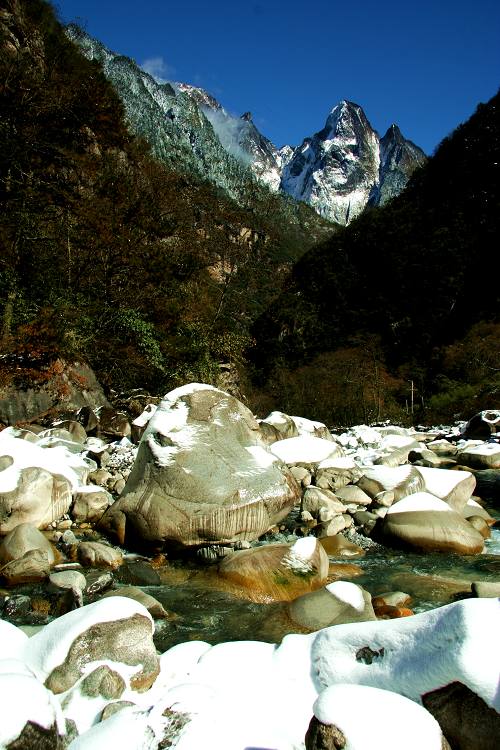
{"x": 424, "y": 66}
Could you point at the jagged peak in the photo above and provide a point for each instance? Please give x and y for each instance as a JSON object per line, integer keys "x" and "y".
{"x": 393, "y": 133}
{"x": 246, "y": 116}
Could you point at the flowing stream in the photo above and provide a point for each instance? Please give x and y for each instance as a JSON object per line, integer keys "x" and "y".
{"x": 203, "y": 610}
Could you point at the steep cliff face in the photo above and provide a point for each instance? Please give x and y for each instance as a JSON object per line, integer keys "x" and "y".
{"x": 336, "y": 169}
{"x": 398, "y": 160}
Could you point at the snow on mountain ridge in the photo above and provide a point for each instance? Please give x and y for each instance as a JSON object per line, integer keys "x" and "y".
{"x": 338, "y": 170}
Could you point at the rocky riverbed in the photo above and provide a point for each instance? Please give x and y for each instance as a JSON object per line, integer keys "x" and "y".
{"x": 130, "y": 545}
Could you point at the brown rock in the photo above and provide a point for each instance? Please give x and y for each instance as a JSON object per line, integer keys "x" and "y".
{"x": 278, "y": 572}
{"x": 324, "y": 736}
{"x": 465, "y": 719}
{"x": 339, "y": 546}
{"x": 128, "y": 641}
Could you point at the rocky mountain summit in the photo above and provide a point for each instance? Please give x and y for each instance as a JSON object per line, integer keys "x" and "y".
{"x": 337, "y": 171}
{"x": 345, "y": 166}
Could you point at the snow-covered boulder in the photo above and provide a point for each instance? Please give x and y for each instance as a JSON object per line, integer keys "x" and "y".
{"x": 202, "y": 474}
{"x": 36, "y": 483}
{"x": 31, "y": 715}
{"x": 389, "y": 721}
{"x": 483, "y": 425}
{"x": 337, "y": 603}
{"x": 311, "y": 427}
{"x": 454, "y": 487}
{"x": 424, "y": 522}
{"x": 305, "y": 449}
{"x": 400, "y": 480}
{"x": 415, "y": 655}
{"x": 484, "y": 456}
{"x": 117, "y": 630}
{"x": 277, "y": 426}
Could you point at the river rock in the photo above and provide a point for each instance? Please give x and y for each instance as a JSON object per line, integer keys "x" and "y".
{"x": 118, "y": 630}
{"x": 278, "y": 572}
{"x": 336, "y": 472}
{"x": 113, "y": 424}
{"x": 395, "y": 450}
{"x": 480, "y": 525}
{"x": 351, "y": 494}
{"x": 467, "y": 722}
{"x": 98, "y": 555}
{"x": 485, "y": 456}
{"x": 90, "y": 503}
{"x": 36, "y": 483}
{"x": 315, "y": 500}
{"x": 389, "y": 721}
{"x": 335, "y": 604}
{"x": 32, "y": 567}
{"x": 483, "y": 425}
{"x": 202, "y": 474}
{"x": 401, "y": 480}
{"x": 485, "y": 589}
{"x": 424, "y": 522}
{"x": 24, "y": 538}
{"x": 154, "y": 607}
{"x": 473, "y": 508}
{"x": 454, "y": 487}
{"x": 339, "y": 546}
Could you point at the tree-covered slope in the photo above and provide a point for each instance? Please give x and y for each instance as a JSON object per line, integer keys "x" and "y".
{"x": 151, "y": 274}
{"x": 417, "y": 273}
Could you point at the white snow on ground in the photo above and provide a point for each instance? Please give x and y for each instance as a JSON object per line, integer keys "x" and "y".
{"x": 358, "y": 711}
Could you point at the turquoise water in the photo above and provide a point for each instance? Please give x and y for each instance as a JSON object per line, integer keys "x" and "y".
{"x": 204, "y": 612}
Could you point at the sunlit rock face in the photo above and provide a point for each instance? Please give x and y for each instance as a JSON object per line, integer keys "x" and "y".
{"x": 346, "y": 165}
{"x": 202, "y": 475}
{"x": 336, "y": 169}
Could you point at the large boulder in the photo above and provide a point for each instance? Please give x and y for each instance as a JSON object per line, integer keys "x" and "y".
{"x": 36, "y": 483}
{"x": 64, "y": 387}
{"x": 454, "y": 487}
{"x": 483, "y": 425}
{"x": 467, "y": 722}
{"x": 118, "y": 631}
{"x": 424, "y": 522}
{"x": 202, "y": 474}
{"x": 389, "y": 721}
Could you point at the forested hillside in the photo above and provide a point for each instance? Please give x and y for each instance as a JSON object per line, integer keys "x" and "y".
{"x": 150, "y": 274}
{"x": 402, "y": 304}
